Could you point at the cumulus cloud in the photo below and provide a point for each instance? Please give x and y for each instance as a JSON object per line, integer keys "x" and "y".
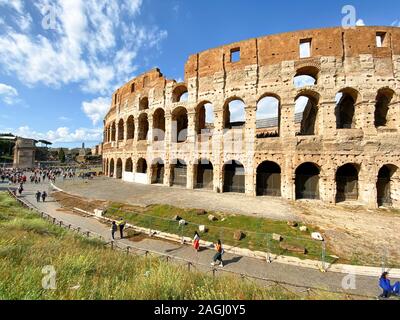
{"x": 96, "y": 109}
{"x": 360, "y": 23}
{"x": 90, "y": 43}
{"x": 61, "y": 135}
{"x": 8, "y": 94}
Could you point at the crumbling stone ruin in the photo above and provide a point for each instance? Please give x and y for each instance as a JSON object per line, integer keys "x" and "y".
{"x": 305, "y": 115}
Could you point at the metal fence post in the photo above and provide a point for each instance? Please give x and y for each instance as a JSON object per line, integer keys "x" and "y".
{"x": 323, "y": 256}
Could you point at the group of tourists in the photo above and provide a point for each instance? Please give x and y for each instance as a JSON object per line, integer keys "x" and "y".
{"x": 41, "y": 195}
{"x": 13, "y": 176}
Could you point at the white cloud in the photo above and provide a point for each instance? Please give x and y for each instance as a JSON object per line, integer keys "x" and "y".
{"x": 8, "y": 94}
{"x": 91, "y": 44}
{"x": 360, "y": 23}
{"x": 96, "y": 109}
{"x": 61, "y": 135}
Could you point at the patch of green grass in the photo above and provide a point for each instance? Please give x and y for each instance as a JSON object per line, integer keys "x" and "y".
{"x": 85, "y": 269}
{"x": 258, "y": 231}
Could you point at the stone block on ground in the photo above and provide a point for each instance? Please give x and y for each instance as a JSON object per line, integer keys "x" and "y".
{"x": 182, "y": 222}
{"x": 200, "y": 212}
{"x": 203, "y": 229}
{"x": 293, "y": 248}
{"x": 212, "y": 218}
{"x": 303, "y": 229}
{"x": 277, "y": 237}
{"x": 239, "y": 235}
{"x": 292, "y": 224}
{"x": 177, "y": 218}
{"x": 317, "y": 236}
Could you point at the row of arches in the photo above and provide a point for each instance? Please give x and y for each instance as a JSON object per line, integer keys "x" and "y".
{"x": 268, "y": 178}
{"x": 268, "y": 116}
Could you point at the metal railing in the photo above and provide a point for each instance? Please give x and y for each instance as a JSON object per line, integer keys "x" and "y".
{"x": 190, "y": 265}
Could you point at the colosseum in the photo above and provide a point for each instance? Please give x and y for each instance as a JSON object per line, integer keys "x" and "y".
{"x": 305, "y": 115}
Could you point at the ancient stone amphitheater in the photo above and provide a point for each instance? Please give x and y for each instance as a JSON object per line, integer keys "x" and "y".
{"x": 305, "y": 115}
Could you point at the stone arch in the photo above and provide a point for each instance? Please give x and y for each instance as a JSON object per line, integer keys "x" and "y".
{"x": 205, "y": 118}
{"x": 382, "y": 107}
{"x": 180, "y": 93}
{"x": 179, "y": 173}
{"x": 345, "y": 111}
{"x": 307, "y": 181}
{"x": 306, "y": 76}
{"x": 204, "y": 174}
{"x": 130, "y": 123}
{"x": 143, "y": 127}
{"x": 386, "y": 185}
{"x": 144, "y": 104}
{"x": 181, "y": 123}
{"x": 157, "y": 171}
{"x": 119, "y": 169}
{"x": 268, "y": 116}
{"x": 121, "y": 128}
{"x": 269, "y": 179}
{"x": 129, "y": 165}
{"x": 347, "y": 188}
{"x": 234, "y": 113}
{"x": 112, "y": 168}
{"x": 141, "y": 166}
{"x": 159, "y": 125}
{"x": 234, "y": 177}
{"x": 306, "y": 113}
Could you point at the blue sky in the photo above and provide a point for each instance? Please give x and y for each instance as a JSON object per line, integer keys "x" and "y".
{"x": 56, "y": 79}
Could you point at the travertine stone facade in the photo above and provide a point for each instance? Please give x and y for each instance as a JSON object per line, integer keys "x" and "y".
{"x": 347, "y": 149}
{"x": 24, "y": 153}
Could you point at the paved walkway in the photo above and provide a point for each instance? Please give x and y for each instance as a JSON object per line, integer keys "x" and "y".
{"x": 293, "y": 275}
{"x": 144, "y": 195}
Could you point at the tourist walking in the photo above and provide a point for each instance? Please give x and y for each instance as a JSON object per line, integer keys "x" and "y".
{"x": 38, "y": 195}
{"x": 218, "y": 255}
{"x": 196, "y": 241}
{"x": 121, "y": 224}
{"x": 388, "y": 289}
{"x": 114, "y": 229}
{"x": 44, "y": 196}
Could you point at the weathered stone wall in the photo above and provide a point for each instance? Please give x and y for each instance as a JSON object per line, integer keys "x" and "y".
{"x": 344, "y": 60}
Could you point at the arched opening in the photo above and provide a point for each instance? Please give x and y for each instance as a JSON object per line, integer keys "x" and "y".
{"x": 129, "y": 165}
{"x": 130, "y": 134}
{"x": 144, "y": 104}
{"x": 306, "y": 76}
{"x": 113, "y": 132}
{"x": 112, "y": 168}
{"x": 383, "y": 100}
{"x": 345, "y": 108}
{"x": 143, "y": 127}
{"x": 384, "y": 185}
{"x": 347, "y": 183}
{"x": 159, "y": 125}
{"x": 119, "y": 169}
{"x": 306, "y": 114}
{"x": 121, "y": 130}
{"x": 180, "y": 94}
{"x": 234, "y": 177}
{"x": 158, "y": 170}
{"x": 179, "y": 173}
{"x": 205, "y": 175}
{"x": 180, "y": 122}
{"x": 269, "y": 179}
{"x": 307, "y": 181}
{"x": 234, "y": 114}
{"x": 268, "y": 117}
{"x": 205, "y": 119}
{"x": 141, "y": 166}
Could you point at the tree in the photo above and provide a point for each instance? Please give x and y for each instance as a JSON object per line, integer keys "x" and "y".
{"x": 61, "y": 156}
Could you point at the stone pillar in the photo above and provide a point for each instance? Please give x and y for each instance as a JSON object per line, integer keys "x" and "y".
{"x": 328, "y": 187}
{"x": 150, "y": 138}
{"x": 190, "y": 176}
{"x": 167, "y": 174}
{"x": 393, "y": 118}
{"x": 368, "y": 193}
{"x": 287, "y": 122}
{"x": 191, "y": 138}
{"x": 328, "y": 118}
{"x": 367, "y": 110}
{"x": 249, "y": 146}
{"x": 126, "y": 130}
{"x": 137, "y": 129}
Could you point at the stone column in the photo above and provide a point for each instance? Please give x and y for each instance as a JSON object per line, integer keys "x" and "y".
{"x": 136, "y": 135}
{"x": 328, "y": 124}
{"x": 190, "y": 176}
{"x": 368, "y": 192}
{"x": 287, "y": 123}
{"x": 249, "y": 147}
{"x": 367, "y": 110}
{"x": 191, "y": 138}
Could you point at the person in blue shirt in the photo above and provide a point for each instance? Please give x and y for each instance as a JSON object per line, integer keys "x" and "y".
{"x": 388, "y": 289}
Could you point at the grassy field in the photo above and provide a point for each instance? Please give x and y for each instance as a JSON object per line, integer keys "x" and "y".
{"x": 258, "y": 231}
{"x": 87, "y": 270}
